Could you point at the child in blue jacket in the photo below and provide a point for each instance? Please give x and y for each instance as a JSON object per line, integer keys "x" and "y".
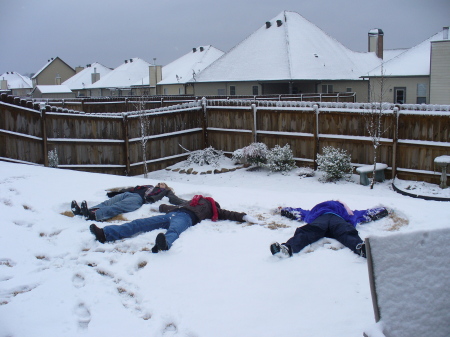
{"x": 332, "y": 219}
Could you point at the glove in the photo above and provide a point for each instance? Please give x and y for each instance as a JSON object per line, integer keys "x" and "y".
{"x": 288, "y": 214}
{"x": 381, "y": 213}
{"x": 251, "y": 219}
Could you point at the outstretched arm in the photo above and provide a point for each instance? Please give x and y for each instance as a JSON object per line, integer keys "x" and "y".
{"x": 297, "y": 214}
{"x": 371, "y": 214}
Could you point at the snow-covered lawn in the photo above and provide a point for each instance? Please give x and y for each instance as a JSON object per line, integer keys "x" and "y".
{"x": 219, "y": 278}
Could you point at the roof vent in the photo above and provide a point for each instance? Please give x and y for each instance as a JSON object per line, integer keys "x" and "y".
{"x": 268, "y": 24}
{"x": 126, "y": 61}
{"x": 279, "y": 23}
{"x": 201, "y": 48}
{"x": 445, "y": 33}
{"x": 194, "y": 50}
{"x": 131, "y": 60}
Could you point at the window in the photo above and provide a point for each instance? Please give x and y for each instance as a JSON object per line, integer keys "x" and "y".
{"x": 255, "y": 90}
{"x": 421, "y": 93}
{"x": 221, "y": 92}
{"x": 327, "y": 88}
{"x": 399, "y": 95}
{"x": 232, "y": 90}
{"x": 165, "y": 91}
{"x": 349, "y": 90}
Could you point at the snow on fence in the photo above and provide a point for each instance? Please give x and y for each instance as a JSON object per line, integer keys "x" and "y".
{"x": 412, "y": 135}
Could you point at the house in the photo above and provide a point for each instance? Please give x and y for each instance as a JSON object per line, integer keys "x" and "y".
{"x": 176, "y": 76}
{"x": 418, "y": 75}
{"x": 13, "y": 83}
{"x": 86, "y": 76}
{"x": 287, "y": 55}
{"x": 119, "y": 81}
{"x": 52, "y": 91}
{"x": 54, "y": 72}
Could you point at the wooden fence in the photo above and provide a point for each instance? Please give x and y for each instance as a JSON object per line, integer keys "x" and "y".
{"x": 413, "y": 135}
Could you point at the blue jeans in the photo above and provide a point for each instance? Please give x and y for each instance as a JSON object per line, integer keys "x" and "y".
{"x": 121, "y": 203}
{"x": 175, "y": 223}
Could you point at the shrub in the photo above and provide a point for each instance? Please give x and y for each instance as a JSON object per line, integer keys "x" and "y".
{"x": 53, "y": 158}
{"x": 208, "y": 156}
{"x": 255, "y": 154}
{"x": 238, "y": 157}
{"x": 280, "y": 159}
{"x": 335, "y": 163}
{"x": 304, "y": 172}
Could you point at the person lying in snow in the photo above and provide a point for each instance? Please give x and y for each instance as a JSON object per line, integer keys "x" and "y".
{"x": 332, "y": 219}
{"x": 176, "y": 220}
{"x": 124, "y": 201}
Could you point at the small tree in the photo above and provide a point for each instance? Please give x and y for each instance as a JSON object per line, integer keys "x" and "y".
{"x": 143, "y": 125}
{"x": 374, "y": 119}
{"x": 335, "y": 163}
{"x": 280, "y": 159}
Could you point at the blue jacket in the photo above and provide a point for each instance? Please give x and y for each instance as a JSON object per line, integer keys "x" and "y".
{"x": 337, "y": 208}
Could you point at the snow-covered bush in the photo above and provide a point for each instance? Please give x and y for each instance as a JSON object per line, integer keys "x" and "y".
{"x": 53, "y": 158}
{"x": 238, "y": 157}
{"x": 255, "y": 154}
{"x": 280, "y": 159}
{"x": 336, "y": 163}
{"x": 208, "y": 156}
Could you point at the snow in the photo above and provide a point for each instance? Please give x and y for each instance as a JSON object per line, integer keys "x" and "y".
{"x": 369, "y": 168}
{"x": 16, "y": 80}
{"x": 84, "y": 77}
{"x": 295, "y": 50}
{"x": 442, "y": 160}
{"x": 181, "y": 70}
{"x": 125, "y": 75}
{"x": 218, "y": 279}
{"x": 399, "y": 281}
{"x": 53, "y": 89}
{"x": 412, "y": 62}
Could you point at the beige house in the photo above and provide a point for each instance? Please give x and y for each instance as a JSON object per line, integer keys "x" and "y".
{"x": 420, "y": 75}
{"x": 55, "y": 72}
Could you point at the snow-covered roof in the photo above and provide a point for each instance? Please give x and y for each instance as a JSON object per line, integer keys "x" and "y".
{"x": 412, "y": 62}
{"x": 83, "y": 78}
{"x": 291, "y": 48}
{"x": 53, "y": 89}
{"x": 189, "y": 65}
{"x": 125, "y": 75}
{"x": 48, "y": 63}
{"x": 16, "y": 81}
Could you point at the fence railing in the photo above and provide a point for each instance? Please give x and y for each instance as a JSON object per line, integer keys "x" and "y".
{"x": 412, "y": 135}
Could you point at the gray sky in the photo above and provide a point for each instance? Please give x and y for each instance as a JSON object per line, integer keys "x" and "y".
{"x": 110, "y": 31}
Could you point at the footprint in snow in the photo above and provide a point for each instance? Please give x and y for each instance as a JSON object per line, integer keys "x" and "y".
{"x": 78, "y": 281}
{"x": 83, "y": 314}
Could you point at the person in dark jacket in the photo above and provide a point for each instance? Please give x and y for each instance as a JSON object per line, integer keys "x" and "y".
{"x": 177, "y": 219}
{"x": 124, "y": 201}
{"x": 332, "y": 219}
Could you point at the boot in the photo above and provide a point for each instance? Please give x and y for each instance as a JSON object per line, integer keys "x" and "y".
{"x": 161, "y": 242}
{"x": 98, "y": 233}
{"x": 75, "y": 208}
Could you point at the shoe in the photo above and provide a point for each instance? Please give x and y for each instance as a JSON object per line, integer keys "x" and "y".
{"x": 155, "y": 249}
{"x": 161, "y": 242}
{"x": 89, "y": 214}
{"x": 75, "y": 208}
{"x": 98, "y": 233}
{"x": 361, "y": 249}
{"x": 280, "y": 250}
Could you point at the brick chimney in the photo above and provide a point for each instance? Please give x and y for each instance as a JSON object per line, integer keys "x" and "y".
{"x": 376, "y": 42}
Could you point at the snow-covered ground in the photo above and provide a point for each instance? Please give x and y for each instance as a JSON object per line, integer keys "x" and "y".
{"x": 219, "y": 278}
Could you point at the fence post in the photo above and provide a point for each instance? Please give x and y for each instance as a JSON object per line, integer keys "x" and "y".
{"x": 127, "y": 143}
{"x": 316, "y": 134}
{"x": 254, "y": 130}
{"x": 205, "y": 122}
{"x": 44, "y": 133}
{"x": 395, "y": 143}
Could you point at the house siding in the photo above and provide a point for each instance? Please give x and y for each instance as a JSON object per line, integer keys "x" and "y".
{"x": 440, "y": 72}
